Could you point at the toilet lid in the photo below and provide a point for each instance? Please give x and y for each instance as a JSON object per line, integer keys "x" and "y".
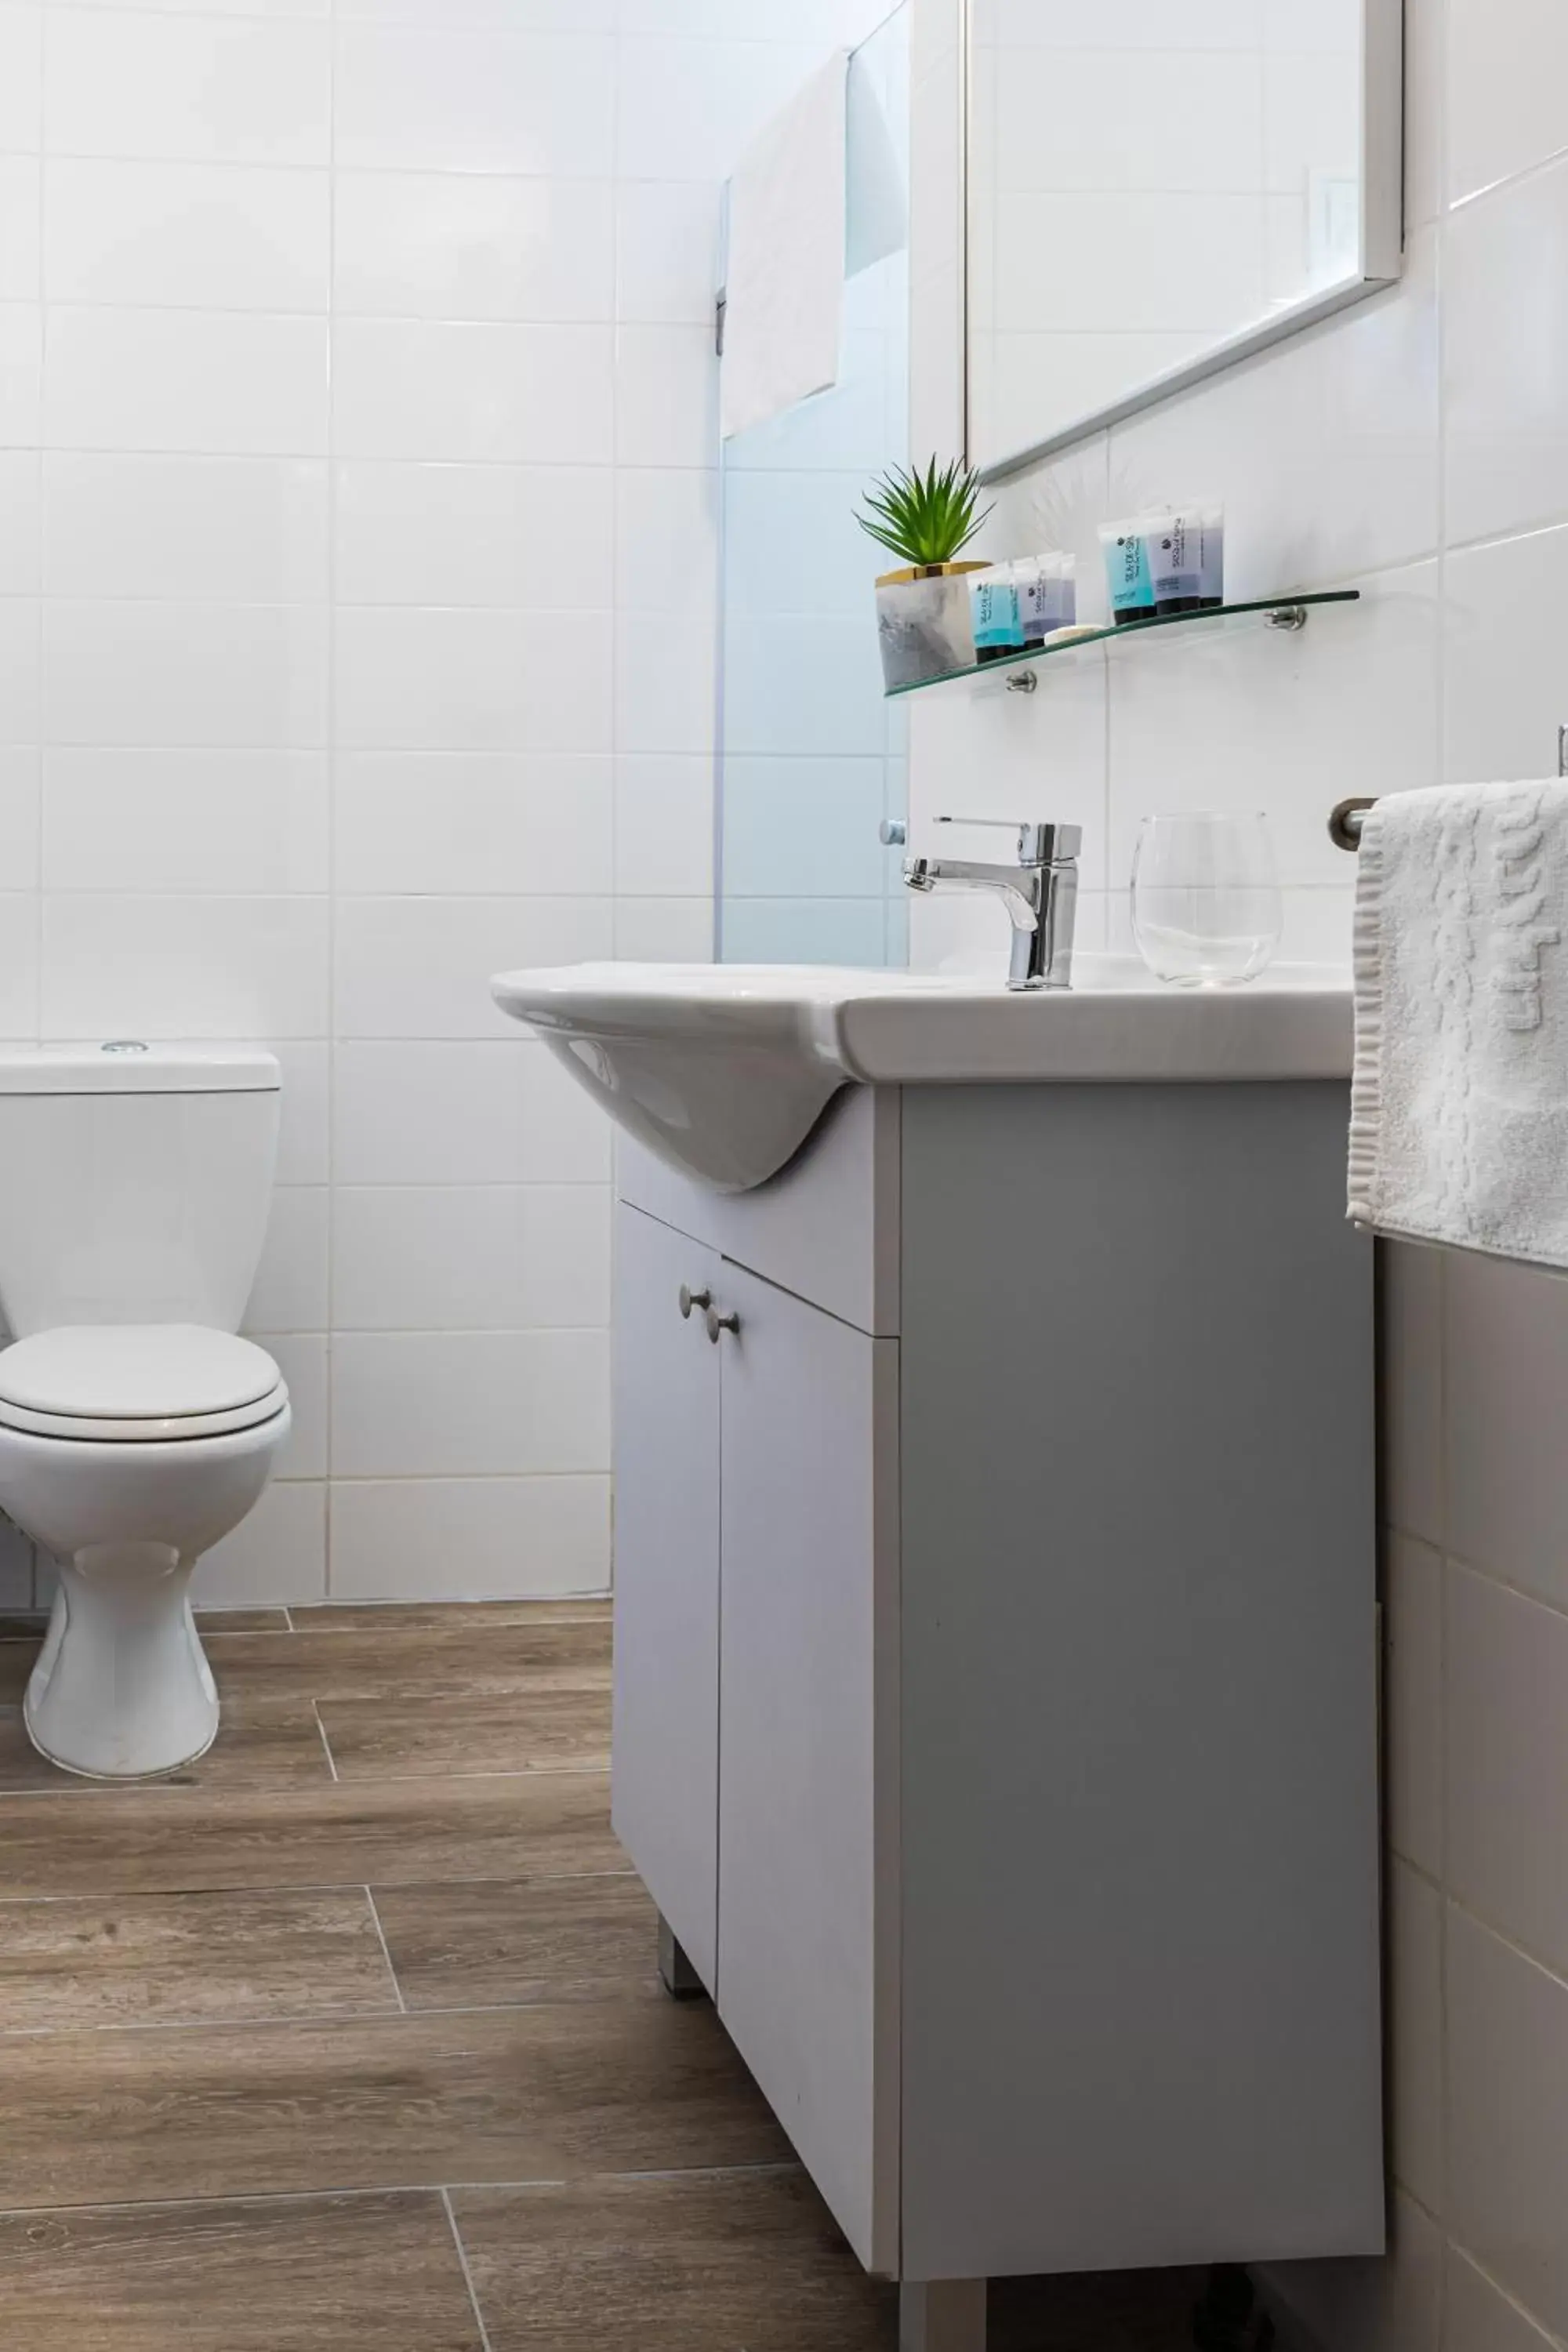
{"x": 131, "y": 1380}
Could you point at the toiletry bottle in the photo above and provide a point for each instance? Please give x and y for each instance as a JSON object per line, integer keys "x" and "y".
{"x": 1176, "y": 560}
{"x": 1210, "y": 518}
{"x": 1049, "y": 601}
{"x": 1132, "y": 591}
{"x": 1035, "y": 597}
{"x": 1067, "y": 590}
{"x": 998, "y": 631}
{"x": 1022, "y": 575}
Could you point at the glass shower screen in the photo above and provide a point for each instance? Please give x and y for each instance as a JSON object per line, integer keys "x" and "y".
{"x": 811, "y": 759}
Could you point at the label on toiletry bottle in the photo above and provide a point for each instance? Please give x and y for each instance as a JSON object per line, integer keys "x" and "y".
{"x": 1036, "y": 598}
{"x": 1055, "y": 598}
{"x": 997, "y": 628}
{"x": 1175, "y": 562}
{"x": 1211, "y": 556}
{"x": 1127, "y": 575}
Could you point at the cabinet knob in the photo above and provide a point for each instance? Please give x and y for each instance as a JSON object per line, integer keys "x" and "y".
{"x": 718, "y": 1324}
{"x": 690, "y": 1298}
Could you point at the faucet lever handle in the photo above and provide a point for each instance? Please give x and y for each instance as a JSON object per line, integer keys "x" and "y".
{"x": 1039, "y": 843}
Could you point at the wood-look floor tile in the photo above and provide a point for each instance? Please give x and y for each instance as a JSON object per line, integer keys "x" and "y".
{"x": 171, "y": 1839}
{"x": 444, "y": 1616}
{"x": 749, "y": 2259}
{"x": 471, "y": 1661}
{"x": 325, "y": 2274}
{"x": 262, "y": 1744}
{"x": 180, "y": 1959}
{"x": 492, "y": 1943}
{"x": 243, "y": 1621}
{"x": 16, "y": 1656}
{"x": 517, "y": 1731}
{"x": 549, "y": 2093}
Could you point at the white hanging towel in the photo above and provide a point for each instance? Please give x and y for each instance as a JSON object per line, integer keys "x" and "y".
{"x": 1459, "y": 1104}
{"x": 785, "y": 293}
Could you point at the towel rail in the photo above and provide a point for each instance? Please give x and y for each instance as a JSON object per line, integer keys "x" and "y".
{"x": 1345, "y": 817}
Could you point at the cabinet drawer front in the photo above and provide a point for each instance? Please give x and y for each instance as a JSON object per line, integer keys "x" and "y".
{"x": 665, "y": 1775}
{"x": 808, "y": 1409}
{"x": 825, "y": 1228}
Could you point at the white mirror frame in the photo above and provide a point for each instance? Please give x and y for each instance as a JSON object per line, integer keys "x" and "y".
{"x": 1381, "y": 260}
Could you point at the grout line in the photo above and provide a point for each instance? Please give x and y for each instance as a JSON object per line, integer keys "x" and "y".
{"x": 1556, "y": 1972}
{"x": 440, "y": 1332}
{"x": 329, "y": 1136}
{"x": 314, "y": 455}
{"x": 40, "y": 799}
{"x": 337, "y": 2019}
{"x": 309, "y": 1886}
{"x": 1445, "y": 2069}
{"x": 392, "y": 1612}
{"x": 398, "y": 2188}
{"x": 1506, "y": 2293}
{"x": 442, "y": 1777}
{"x": 1553, "y": 1608}
{"x": 326, "y": 1743}
{"x": 257, "y": 2198}
{"x": 225, "y": 2022}
{"x": 462, "y": 2254}
{"x": 386, "y": 1951}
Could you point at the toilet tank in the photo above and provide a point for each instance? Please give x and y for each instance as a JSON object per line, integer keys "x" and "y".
{"x": 134, "y": 1183}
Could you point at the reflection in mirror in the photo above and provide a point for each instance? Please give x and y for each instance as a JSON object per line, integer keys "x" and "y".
{"x": 1156, "y": 186}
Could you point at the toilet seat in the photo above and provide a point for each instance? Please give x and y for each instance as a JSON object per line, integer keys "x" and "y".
{"x": 129, "y": 1383}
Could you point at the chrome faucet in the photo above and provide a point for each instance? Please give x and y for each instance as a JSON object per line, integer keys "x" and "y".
{"x": 1040, "y": 894}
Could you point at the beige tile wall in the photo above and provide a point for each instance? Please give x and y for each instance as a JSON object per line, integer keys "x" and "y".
{"x": 1475, "y": 1381}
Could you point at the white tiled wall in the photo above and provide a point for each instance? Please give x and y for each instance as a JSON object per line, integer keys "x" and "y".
{"x": 357, "y": 639}
{"x": 1415, "y": 449}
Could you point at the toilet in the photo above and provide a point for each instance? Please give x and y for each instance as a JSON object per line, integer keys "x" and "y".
{"x": 136, "y": 1428}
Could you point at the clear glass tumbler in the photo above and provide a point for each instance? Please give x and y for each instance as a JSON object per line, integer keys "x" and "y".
{"x": 1206, "y": 910}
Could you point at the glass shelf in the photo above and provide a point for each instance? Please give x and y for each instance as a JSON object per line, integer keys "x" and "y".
{"x": 1285, "y": 612}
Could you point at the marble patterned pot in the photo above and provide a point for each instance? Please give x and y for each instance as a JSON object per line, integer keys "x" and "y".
{"x": 923, "y": 626}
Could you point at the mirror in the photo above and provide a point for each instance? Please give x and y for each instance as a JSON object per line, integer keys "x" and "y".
{"x": 1158, "y": 188}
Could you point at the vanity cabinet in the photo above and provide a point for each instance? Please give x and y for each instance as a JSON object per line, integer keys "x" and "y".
{"x": 751, "y": 1470}
{"x": 995, "y": 1683}
{"x": 667, "y": 1579}
{"x": 801, "y": 1523}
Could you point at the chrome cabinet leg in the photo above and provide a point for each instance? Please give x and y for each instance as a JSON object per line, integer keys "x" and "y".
{"x": 942, "y": 2316}
{"x": 679, "y": 1978}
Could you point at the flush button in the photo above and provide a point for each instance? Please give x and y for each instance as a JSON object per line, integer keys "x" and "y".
{"x": 124, "y": 1046}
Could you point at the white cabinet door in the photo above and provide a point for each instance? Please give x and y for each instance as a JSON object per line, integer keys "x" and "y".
{"x": 665, "y": 1778}
{"x": 809, "y": 1437}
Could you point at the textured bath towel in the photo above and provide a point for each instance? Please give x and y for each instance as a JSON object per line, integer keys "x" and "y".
{"x": 1459, "y": 1106}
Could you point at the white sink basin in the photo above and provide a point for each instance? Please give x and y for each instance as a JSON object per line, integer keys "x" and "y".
{"x": 724, "y": 1069}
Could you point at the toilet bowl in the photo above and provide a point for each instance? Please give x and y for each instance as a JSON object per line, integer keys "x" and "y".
{"x": 127, "y": 1452}
{"x": 136, "y": 1429}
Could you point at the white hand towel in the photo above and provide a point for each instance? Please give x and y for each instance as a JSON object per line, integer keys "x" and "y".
{"x": 784, "y": 295}
{"x": 1459, "y": 1106}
